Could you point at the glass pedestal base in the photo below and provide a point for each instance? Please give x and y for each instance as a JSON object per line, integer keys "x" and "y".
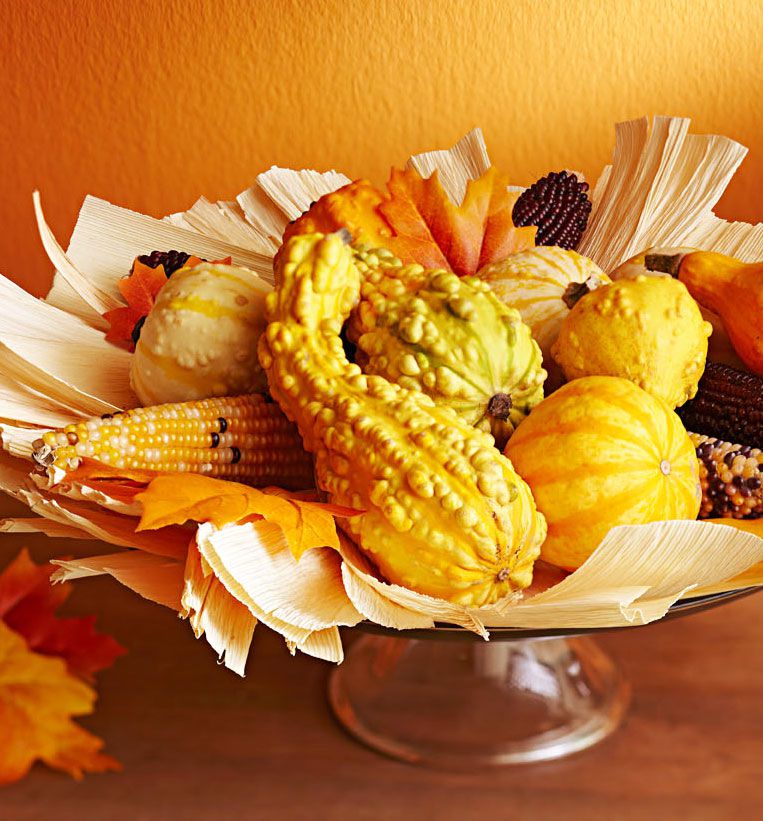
{"x": 460, "y": 704}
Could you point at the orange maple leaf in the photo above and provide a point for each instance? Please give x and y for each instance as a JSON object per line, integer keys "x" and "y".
{"x": 43, "y": 664}
{"x": 139, "y": 290}
{"x": 173, "y": 500}
{"x": 418, "y": 221}
{"x": 38, "y": 698}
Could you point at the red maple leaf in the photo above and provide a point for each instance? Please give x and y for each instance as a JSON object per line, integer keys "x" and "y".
{"x": 28, "y": 604}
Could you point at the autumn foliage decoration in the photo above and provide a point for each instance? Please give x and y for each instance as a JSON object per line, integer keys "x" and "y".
{"x": 418, "y": 222}
{"x": 47, "y": 667}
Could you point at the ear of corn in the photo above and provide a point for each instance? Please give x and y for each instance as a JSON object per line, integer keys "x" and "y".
{"x": 242, "y": 438}
{"x": 731, "y": 477}
{"x": 728, "y": 404}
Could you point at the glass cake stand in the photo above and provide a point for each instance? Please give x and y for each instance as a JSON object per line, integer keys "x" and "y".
{"x": 444, "y": 697}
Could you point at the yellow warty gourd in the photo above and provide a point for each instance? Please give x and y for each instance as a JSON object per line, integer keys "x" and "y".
{"x": 648, "y": 330}
{"x": 445, "y": 514}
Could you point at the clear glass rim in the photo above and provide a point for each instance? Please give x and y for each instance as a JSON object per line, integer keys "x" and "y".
{"x": 439, "y": 632}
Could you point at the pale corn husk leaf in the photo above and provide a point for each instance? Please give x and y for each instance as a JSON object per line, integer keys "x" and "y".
{"x": 47, "y": 351}
{"x": 378, "y": 608}
{"x": 660, "y": 191}
{"x": 109, "y": 527}
{"x": 324, "y": 644}
{"x": 46, "y": 526}
{"x": 635, "y": 574}
{"x": 14, "y": 475}
{"x": 466, "y": 160}
{"x": 82, "y": 493}
{"x": 268, "y": 221}
{"x": 281, "y": 195}
{"x": 437, "y": 610}
{"x": 307, "y": 593}
{"x": 18, "y": 441}
{"x": 107, "y": 239}
{"x": 293, "y": 192}
{"x": 368, "y": 600}
{"x": 90, "y": 294}
{"x": 222, "y": 220}
{"x": 155, "y": 578}
{"x": 212, "y": 611}
{"x": 20, "y": 405}
{"x": 290, "y": 632}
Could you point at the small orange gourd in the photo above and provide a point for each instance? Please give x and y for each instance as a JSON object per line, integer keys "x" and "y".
{"x": 601, "y": 452}
{"x": 729, "y": 287}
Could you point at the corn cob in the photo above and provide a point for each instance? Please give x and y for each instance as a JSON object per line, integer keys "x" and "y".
{"x": 731, "y": 477}
{"x": 728, "y": 405}
{"x": 242, "y": 438}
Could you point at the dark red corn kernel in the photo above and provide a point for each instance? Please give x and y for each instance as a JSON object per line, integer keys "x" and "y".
{"x": 559, "y": 205}
{"x": 171, "y": 261}
{"x": 137, "y": 329}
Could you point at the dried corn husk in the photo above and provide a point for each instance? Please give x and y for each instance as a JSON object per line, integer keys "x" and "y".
{"x": 156, "y": 578}
{"x": 46, "y": 526}
{"x": 466, "y": 160}
{"x": 49, "y": 352}
{"x": 660, "y": 191}
{"x": 307, "y": 594}
{"x": 225, "y": 221}
{"x": 212, "y": 611}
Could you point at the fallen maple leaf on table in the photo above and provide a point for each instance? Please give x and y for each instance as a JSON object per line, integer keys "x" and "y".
{"x": 418, "y": 221}
{"x": 45, "y": 666}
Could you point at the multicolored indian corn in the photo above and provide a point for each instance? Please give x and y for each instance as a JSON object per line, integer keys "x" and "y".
{"x": 731, "y": 477}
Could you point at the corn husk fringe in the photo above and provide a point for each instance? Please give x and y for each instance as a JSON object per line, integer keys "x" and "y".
{"x": 225, "y": 581}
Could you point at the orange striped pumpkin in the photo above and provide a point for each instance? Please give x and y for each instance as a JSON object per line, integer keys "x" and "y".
{"x": 536, "y": 283}
{"x": 602, "y": 452}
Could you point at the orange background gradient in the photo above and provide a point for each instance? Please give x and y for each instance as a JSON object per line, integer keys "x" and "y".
{"x": 151, "y": 104}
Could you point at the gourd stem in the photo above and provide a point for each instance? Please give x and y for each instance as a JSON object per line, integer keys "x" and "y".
{"x": 664, "y": 263}
{"x": 575, "y": 291}
{"x": 499, "y": 405}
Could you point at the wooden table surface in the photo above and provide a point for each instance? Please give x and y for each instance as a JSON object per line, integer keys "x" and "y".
{"x": 198, "y": 742}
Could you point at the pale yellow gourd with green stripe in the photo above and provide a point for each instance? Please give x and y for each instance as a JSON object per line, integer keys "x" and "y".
{"x": 200, "y": 338}
{"x": 601, "y": 452}
{"x": 543, "y": 284}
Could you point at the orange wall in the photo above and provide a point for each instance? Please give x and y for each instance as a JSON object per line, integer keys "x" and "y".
{"x": 150, "y": 104}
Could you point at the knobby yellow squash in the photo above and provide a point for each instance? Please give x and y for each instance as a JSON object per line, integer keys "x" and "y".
{"x": 444, "y": 512}
{"x": 601, "y": 452}
{"x": 648, "y": 330}
{"x": 729, "y": 287}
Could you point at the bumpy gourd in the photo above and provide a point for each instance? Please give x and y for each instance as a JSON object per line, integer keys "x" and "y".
{"x": 647, "y": 329}
{"x": 719, "y": 347}
{"x": 602, "y": 452}
{"x": 731, "y": 288}
{"x": 451, "y": 338}
{"x": 200, "y": 338}
{"x": 444, "y": 512}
